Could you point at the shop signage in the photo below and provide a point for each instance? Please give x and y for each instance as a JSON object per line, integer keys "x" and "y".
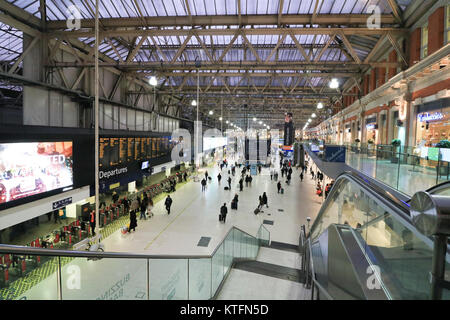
{"x": 61, "y": 203}
{"x": 430, "y": 117}
{"x": 335, "y": 154}
{"x": 372, "y": 126}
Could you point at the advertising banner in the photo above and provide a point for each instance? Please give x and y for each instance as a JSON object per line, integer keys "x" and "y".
{"x": 31, "y": 168}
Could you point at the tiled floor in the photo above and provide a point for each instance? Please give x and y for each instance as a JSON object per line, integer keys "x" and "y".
{"x": 195, "y": 214}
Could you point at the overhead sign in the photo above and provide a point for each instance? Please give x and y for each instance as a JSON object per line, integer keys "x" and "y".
{"x": 61, "y": 203}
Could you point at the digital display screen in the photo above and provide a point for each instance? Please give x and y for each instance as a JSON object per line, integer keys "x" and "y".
{"x": 31, "y": 168}
{"x": 120, "y": 151}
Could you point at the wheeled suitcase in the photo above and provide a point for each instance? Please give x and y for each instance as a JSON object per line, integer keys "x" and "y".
{"x": 256, "y": 211}
{"x": 225, "y": 188}
{"x": 282, "y": 190}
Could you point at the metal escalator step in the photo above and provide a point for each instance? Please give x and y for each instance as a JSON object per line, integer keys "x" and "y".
{"x": 282, "y": 246}
{"x": 271, "y": 270}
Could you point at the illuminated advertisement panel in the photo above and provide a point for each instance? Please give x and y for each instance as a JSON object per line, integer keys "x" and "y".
{"x": 31, "y": 168}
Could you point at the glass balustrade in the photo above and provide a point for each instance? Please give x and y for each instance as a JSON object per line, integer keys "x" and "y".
{"x": 71, "y": 275}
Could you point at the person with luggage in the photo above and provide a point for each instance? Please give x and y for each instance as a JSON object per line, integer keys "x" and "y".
{"x": 168, "y": 203}
{"x": 264, "y": 198}
{"x": 223, "y": 213}
{"x": 203, "y": 184}
{"x": 143, "y": 207}
{"x": 229, "y": 183}
{"x": 133, "y": 220}
{"x": 241, "y": 184}
{"x": 219, "y": 177}
{"x": 261, "y": 204}
{"x": 234, "y": 202}
{"x": 279, "y": 186}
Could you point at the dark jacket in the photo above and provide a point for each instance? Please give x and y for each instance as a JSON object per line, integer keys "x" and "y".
{"x": 223, "y": 210}
{"x": 168, "y": 202}
{"x": 264, "y": 198}
{"x": 133, "y": 221}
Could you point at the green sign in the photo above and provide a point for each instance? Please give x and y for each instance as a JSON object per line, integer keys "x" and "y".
{"x": 433, "y": 154}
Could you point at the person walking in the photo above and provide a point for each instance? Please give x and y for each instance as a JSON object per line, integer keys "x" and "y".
{"x": 150, "y": 207}
{"x": 223, "y": 212}
{"x": 143, "y": 207}
{"x": 203, "y": 184}
{"x": 259, "y": 169}
{"x": 206, "y": 175}
{"x": 229, "y": 183}
{"x": 133, "y": 220}
{"x": 234, "y": 202}
{"x": 241, "y": 184}
{"x": 279, "y": 186}
{"x": 271, "y": 174}
{"x": 250, "y": 180}
{"x": 219, "y": 177}
{"x": 168, "y": 203}
{"x": 261, "y": 203}
{"x": 290, "y": 170}
{"x": 288, "y": 177}
{"x": 264, "y": 198}
{"x": 282, "y": 172}
{"x": 275, "y": 175}
{"x": 246, "y": 181}
{"x": 301, "y": 176}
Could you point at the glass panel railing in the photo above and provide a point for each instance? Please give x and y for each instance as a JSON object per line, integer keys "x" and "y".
{"x": 168, "y": 279}
{"x": 200, "y": 279}
{"x": 104, "y": 279}
{"x": 389, "y": 241}
{"x": 406, "y": 169}
{"x": 73, "y": 275}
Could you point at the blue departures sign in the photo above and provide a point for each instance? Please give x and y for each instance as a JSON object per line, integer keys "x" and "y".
{"x": 334, "y": 154}
{"x": 61, "y": 203}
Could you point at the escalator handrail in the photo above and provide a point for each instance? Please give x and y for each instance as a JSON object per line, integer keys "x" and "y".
{"x": 398, "y": 207}
{"x": 438, "y": 187}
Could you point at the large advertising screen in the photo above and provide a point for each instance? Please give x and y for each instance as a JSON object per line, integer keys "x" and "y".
{"x": 31, "y": 168}
{"x": 210, "y": 143}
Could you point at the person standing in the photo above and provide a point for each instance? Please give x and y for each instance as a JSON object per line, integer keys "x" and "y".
{"x": 279, "y": 186}
{"x": 271, "y": 174}
{"x": 241, "y": 184}
{"x": 223, "y": 212}
{"x": 56, "y": 216}
{"x": 301, "y": 176}
{"x": 282, "y": 172}
{"x": 290, "y": 171}
{"x": 203, "y": 184}
{"x": 234, "y": 202}
{"x": 206, "y": 175}
{"x": 168, "y": 203}
{"x": 185, "y": 176}
{"x": 150, "y": 207}
{"x": 264, "y": 198}
{"x": 259, "y": 169}
{"x": 288, "y": 178}
{"x": 92, "y": 222}
{"x": 250, "y": 180}
{"x": 246, "y": 180}
{"x": 219, "y": 177}
{"x": 133, "y": 220}
{"x": 229, "y": 183}
{"x": 275, "y": 175}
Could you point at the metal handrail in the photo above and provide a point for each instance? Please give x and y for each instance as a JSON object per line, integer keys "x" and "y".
{"x": 23, "y": 250}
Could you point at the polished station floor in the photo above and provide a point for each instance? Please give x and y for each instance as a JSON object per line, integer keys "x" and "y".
{"x": 194, "y": 214}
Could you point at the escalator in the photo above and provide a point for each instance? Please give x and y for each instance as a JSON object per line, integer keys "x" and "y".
{"x": 364, "y": 245}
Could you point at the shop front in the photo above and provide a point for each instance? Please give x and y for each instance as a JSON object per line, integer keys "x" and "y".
{"x": 371, "y": 137}
{"x": 433, "y": 123}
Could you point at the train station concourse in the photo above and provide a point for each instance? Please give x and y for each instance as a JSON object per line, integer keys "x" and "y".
{"x": 233, "y": 152}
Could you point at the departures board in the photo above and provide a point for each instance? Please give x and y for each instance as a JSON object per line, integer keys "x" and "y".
{"x": 120, "y": 151}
